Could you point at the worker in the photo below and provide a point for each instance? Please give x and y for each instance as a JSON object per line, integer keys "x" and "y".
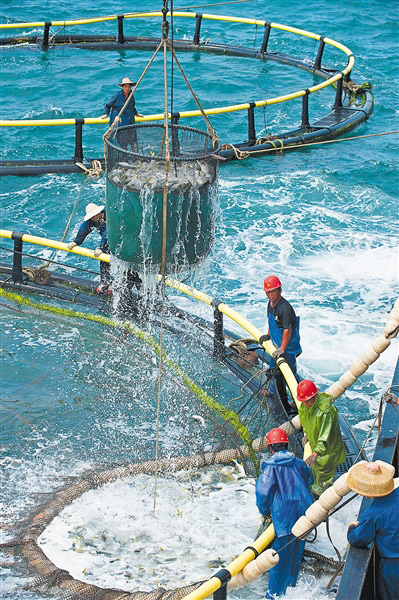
{"x": 319, "y": 419}
{"x": 127, "y": 139}
{"x": 379, "y": 523}
{"x": 283, "y": 331}
{"x": 283, "y": 490}
{"x": 117, "y": 102}
{"x": 95, "y": 218}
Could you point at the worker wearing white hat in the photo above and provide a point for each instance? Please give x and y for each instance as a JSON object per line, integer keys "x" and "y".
{"x": 117, "y": 102}
{"x": 95, "y": 218}
{"x": 379, "y": 523}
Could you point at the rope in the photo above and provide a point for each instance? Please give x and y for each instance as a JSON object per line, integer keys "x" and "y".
{"x": 210, "y": 128}
{"x": 95, "y": 171}
{"x": 165, "y": 27}
{"x": 239, "y": 154}
{"x": 55, "y": 262}
{"x": 378, "y": 416}
{"x": 321, "y": 557}
{"x": 306, "y": 533}
{"x": 107, "y": 134}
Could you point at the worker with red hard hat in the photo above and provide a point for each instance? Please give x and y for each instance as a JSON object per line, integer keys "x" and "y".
{"x": 319, "y": 419}
{"x": 283, "y": 331}
{"x": 283, "y": 490}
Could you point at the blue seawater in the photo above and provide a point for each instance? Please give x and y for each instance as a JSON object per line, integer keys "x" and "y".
{"x": 323, "y": 218}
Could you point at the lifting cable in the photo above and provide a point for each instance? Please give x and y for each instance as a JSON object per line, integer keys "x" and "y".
{"x": 165, "y": 29}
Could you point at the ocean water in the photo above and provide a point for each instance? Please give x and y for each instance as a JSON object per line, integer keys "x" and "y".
{"x": 324, "y": 219}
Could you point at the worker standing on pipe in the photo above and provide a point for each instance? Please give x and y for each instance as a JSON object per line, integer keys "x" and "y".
{"x": 283, "y": 490}
{"x": 379, "y": 523}
{"x": 319, "y": 419}
{"x": 283, "y": 331}
{"x": 114, "y": 106}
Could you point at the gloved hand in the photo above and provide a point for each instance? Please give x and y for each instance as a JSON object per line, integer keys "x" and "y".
{"x": 104, "y": 116}
{"x": 277, "y": 353}
{"x": 310, "y": 460}
{"x": 71, "y": 245}
{"x": 354, "y": 524}
{"x": 390, "y": 398}
{"x": 97, "y": 252}
{"x": 264, "y": 338}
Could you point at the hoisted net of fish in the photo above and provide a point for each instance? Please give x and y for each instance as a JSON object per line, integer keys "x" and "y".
{"x": 137, "y": 169}
{"x": 219, "y": 431}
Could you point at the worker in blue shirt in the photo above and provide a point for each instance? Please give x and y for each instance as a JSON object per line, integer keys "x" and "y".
{"x": 117, "y": 102}
{"x": 126, "y": 138}
{"x": 283, "y": 490}
{"x": 379, "y": 523}
{"x": 283, "y": 331}
{"x": 95, "y": 218}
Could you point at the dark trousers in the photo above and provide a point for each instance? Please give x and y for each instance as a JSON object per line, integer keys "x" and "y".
{"x": 286, "y": 571}
{"x": 105, "y": 268}
{"x": 280, "y": 381}
{"x": 388, "y": 579}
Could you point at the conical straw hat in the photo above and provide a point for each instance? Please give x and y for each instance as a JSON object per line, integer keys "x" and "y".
{"x": 371, "y": 480}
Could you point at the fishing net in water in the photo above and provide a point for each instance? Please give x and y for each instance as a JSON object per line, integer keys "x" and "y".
{"x": 230, "y": 425}
{"x": 136, "y": 172}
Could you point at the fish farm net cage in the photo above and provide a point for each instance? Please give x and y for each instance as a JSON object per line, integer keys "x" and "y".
{"x": 234, "y": 431}
{"x": 139, "y": 171}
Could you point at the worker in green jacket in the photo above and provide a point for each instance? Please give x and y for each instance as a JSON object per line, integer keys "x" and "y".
{"x": 319, "y": 419}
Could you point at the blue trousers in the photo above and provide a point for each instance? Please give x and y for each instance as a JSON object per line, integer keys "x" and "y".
{"x": 388, "y": 579}
{"x": 286, "y": 571}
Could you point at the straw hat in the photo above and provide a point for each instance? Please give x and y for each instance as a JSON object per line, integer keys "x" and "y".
{"x": 92, "y": 210}
{"x": 127, "y": 80}
{"x": 371, "y": 480}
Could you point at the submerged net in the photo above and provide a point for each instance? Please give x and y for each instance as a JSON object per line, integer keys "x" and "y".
{"x": 231, "y": 419}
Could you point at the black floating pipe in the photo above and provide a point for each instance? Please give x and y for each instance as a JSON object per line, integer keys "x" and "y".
{"x": 338, "y": 95}
{"x": 224, "y": 576}
{"x": 17, "y": 260}
{"x": 78, "y": 157}
{"x": 305, "y": 110}
{"x": 265, "y": 41}
{"x": 251, "y": 123}
{"x": 317, "y": 62}
{"x": 46, "y": 35}
{"x": 218, "y": 335}
{"x": 198, "y": 19}
{"x": 121, "y": 37}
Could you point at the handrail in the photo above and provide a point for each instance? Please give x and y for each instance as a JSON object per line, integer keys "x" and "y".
{"x": 194, "y": 113}
{"x": 173, "y": 283}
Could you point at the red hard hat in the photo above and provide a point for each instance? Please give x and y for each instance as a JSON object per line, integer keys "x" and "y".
{"x": 271, "y": 283}
{"x": 306, "y": 390}
{"x": 276, "y": 436}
